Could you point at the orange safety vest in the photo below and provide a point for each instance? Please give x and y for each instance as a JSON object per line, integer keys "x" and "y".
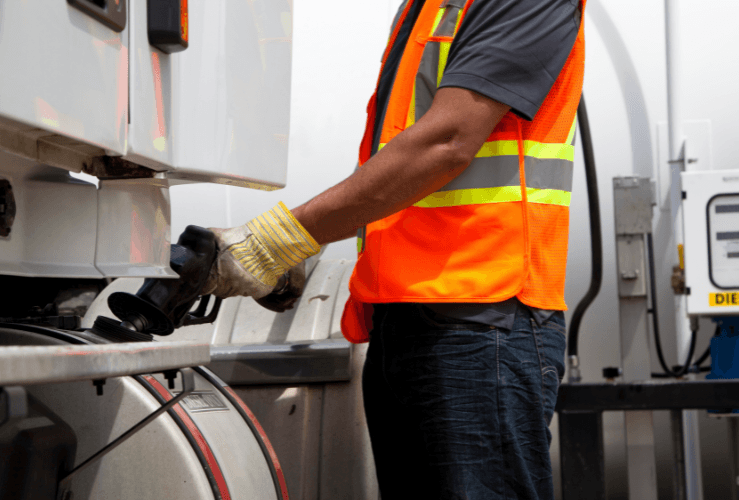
{"x": 499, "y": 229}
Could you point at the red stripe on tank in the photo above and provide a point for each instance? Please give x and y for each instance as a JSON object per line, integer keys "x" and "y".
{"x": 202, "y": 443}
{"x": 265, "y": 439}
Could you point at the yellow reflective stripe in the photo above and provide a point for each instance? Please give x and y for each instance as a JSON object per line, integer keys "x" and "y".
{"x": 543, "y": 150}
{"x": 359, "y": 245}
{"x": 470, "y": 197}
{"x": 571, "y": 135}
{"x": 382, "y": 145}
{"x": 443, "y": 56}
{"x": 439, "y": 15}
{"x": 444, "y": 50}
{"x": 534, "y": 149}
{"x": 498, "y": 148}
{"x": 494, "y": 195}
{"x": 548, "y": 196}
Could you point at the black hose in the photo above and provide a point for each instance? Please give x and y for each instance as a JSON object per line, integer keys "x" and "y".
{"x": 707, "y": 353}
{"x": 655, "y": 321}
{"x": 596, "y": 241}
{"x": 703, "y": 357}
{"x": 696, "y": 367}
{"x": 653, "y": 298}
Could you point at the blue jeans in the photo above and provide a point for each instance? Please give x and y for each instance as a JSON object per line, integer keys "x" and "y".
{"x": 460, "y": 410}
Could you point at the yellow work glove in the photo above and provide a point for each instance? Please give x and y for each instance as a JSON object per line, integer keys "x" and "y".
{"x": 252, "y": 258}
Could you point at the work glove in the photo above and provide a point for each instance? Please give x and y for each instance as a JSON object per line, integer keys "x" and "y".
{"x": 288, "y": 290}
{"x": 254, "y": 257}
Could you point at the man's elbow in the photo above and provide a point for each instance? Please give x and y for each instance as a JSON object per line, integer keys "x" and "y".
{"x": 461, "y": 120}
{"x": 458, "y": 150}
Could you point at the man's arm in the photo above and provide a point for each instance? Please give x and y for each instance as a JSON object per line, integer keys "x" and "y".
{"x": 417, "y": 162}
{"x": 420, "y": 160}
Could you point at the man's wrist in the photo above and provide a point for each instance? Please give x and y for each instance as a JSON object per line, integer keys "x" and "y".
{"x": 281, "y": 244}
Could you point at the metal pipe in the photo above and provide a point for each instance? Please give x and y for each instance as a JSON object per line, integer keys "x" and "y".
{"x": 691, "y": 452}
{"x": 674, "y": 90}
{"x": 677, "y": 150}
{"x": 734, "y": 456}
{"x": 678, "y": 458}
{"x": 677, "y": 156}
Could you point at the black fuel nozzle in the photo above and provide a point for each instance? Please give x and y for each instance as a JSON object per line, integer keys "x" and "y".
{"x": 161, "y": 305}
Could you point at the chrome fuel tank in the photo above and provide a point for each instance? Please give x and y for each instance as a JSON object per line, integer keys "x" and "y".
{"x": 209, "y": 445}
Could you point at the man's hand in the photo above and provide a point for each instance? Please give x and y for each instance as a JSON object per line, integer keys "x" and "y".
{"x": 252, "y": 258}
{"x": 288, "y": 290}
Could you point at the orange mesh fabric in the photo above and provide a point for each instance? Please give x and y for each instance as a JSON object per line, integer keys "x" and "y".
{"x": 481, "y": 257}
{"x": 549, "y": 224}
{"x": 548, "y": 232}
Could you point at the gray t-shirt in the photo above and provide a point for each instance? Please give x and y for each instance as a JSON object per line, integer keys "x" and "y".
{"x": 498, "y": 314}
{"x": 508, "y": 50}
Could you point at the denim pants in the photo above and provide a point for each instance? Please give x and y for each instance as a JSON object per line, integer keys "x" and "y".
{"x": 460, "y": 410}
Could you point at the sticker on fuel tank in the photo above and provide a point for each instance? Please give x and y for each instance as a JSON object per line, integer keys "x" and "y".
{"x": 202, "y": 401}
{"x": 723, "y": 299}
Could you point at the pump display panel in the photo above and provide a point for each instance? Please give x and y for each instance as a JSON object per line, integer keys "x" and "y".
{"x": 711, "y": 217}
{"x": 723, "y": 240}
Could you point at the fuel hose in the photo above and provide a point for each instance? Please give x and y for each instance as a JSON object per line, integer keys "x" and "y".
{"x": 596, "y": 241}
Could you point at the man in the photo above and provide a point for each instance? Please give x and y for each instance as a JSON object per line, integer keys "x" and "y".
{"x": 461, "y": 202}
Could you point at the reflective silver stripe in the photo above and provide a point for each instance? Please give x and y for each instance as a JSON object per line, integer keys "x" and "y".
{"x": 549, "y": 173}
{"x": 498, "y": 171}
{"x": 426, "y": 79}
{"x": 487, "y": 172}
{"x": 426, "y": 82}
{"x": 448, "y": 21}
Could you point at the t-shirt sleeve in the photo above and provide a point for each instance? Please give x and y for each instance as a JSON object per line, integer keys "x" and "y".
{"x": 513, "y": 50}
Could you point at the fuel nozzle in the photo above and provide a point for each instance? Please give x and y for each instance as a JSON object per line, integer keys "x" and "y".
{"x": 161, "y": 305}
